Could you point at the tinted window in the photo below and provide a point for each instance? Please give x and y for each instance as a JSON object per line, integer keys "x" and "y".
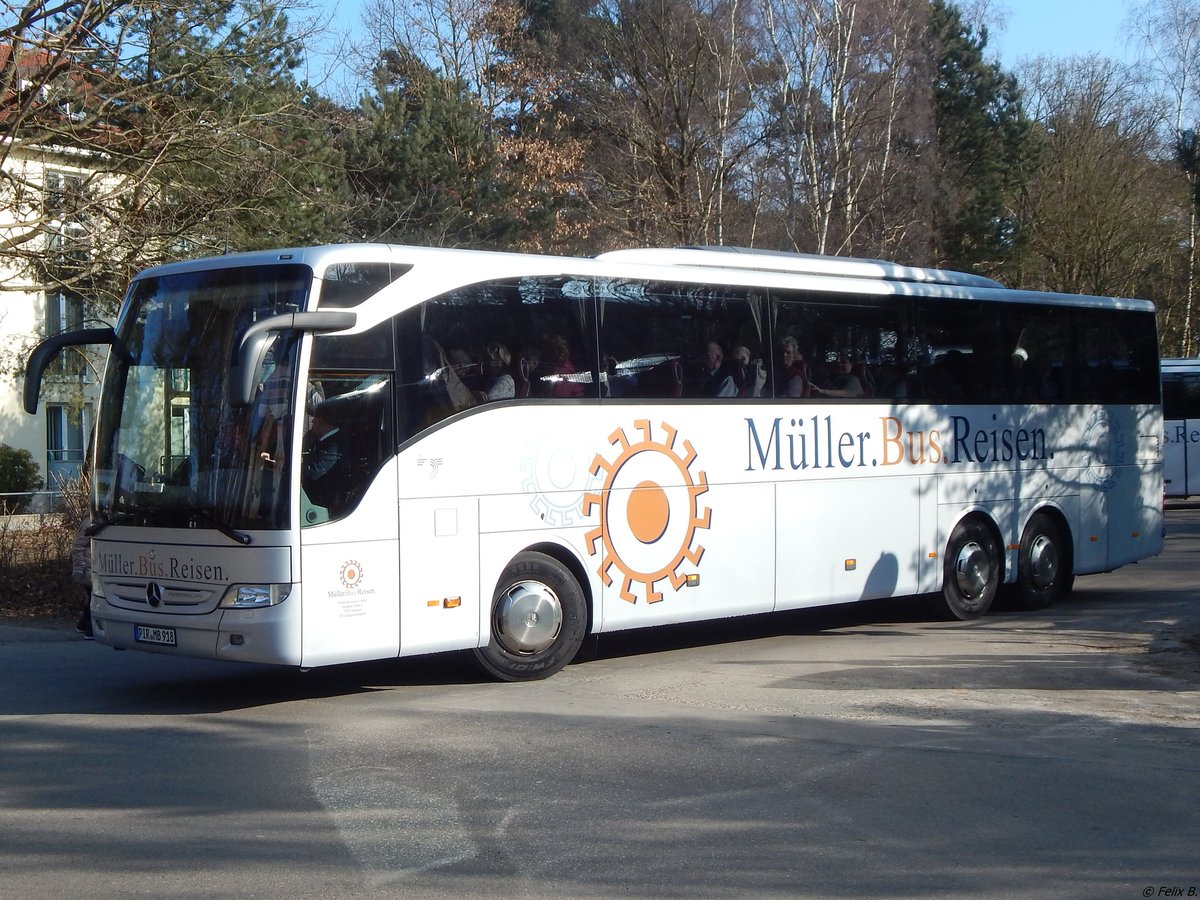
{"x": 837, "y": 346}
{"x": 1181, "y": 395}
{"x": 516, "y": 339}
{"x": 349, "y": 284}
{"x": 1026, "y": 353}
{"x": 348, "y": 421}
{"x": 663, "y": 340}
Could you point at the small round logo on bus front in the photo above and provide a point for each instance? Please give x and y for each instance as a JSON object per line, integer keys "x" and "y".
{"x": 351, "y": 574}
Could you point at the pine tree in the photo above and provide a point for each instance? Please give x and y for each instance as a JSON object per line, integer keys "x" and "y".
{"x": 985, "y": 147}
{"x": 421, "y": 164}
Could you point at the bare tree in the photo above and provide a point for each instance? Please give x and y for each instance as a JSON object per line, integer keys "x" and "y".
{"x": 135, "y": 130}
{"x": 482, "y": 52}
{"x": 843, "y": 100}
{"x": 1100, "y": 208}
{"x": 665, "y": 98}
{"x": 1169, "y": 34}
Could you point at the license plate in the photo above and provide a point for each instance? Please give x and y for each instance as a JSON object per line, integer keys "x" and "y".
{"x": 149, "y": 634}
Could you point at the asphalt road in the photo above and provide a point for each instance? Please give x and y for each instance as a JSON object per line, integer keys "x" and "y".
{"x": 861, "y": 751}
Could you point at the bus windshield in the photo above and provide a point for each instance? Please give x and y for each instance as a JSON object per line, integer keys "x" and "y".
{"x": 171, "y": 451}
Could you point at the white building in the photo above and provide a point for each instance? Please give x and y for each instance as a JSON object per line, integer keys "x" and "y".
{"x": 37, "y": 183}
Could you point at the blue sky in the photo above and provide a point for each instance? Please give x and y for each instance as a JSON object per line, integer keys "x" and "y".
{"x": 1060, "y": 28}
{"x": 1032, "y": 27}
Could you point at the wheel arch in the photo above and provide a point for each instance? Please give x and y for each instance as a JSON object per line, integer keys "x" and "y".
{"x": 577, "y": 569}
{"x": 984, "y": 515}
{"x": 1054, "y": 511}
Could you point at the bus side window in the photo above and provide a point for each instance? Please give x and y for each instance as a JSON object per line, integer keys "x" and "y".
{"x": 481, "y": 346}
{"x": 663, "y": 340}
{"x": 843, "y": 346}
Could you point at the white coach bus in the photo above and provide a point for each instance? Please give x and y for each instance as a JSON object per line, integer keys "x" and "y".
{"x": 322, "y": 455}
{"x": 1181, "y": 427}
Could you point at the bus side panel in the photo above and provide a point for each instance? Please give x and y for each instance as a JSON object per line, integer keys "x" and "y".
{"x": 350, "y": 581}
{"x": 929, "y": 546}
{"x": 439, "y": 574}
{"x": 1091, "y": 544}
{"x": 1191, "y": 457}
{"x": 1139, "y": 534}
{"x": 1121, "y": 497}
{"x": 1180, "y": 449}
{"x": 828, "y": 552}
{"x": 723, "y": 536}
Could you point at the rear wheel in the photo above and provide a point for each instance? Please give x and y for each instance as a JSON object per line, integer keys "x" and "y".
{"x": 538, "y": 620}
{"x": 972, "y": 570}
{"x": 1044, "y": 566}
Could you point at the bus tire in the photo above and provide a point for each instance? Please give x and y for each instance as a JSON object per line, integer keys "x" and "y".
{"x": 972, "y": 571}
{"x": 1044, "y": 564}
{"x": 538, "y": 620}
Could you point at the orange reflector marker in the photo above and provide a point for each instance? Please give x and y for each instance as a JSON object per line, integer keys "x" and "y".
{"x": 433, "y": 603}
{"x": 1095, "y": 539}
{"x": 452, "y": 602}
{"x": 693, "y": 580}
{"x": 851, "y": 565}
{"x": 933, "y": 554}
{"x": 1137, "y": 534}
{"x": 1014, "y": 546}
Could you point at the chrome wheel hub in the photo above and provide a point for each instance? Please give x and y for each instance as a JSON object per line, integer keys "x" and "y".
{"x": 1043, "y": 562}
{"x": 971, "y": 570}
{"x": 528, "y": 618}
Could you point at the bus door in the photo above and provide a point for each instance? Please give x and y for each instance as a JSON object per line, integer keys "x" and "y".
{"x": 350, "y": 577}
{"x": 349, "y": 532}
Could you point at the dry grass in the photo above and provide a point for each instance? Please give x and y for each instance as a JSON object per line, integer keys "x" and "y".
{"x": 35, "y": 560}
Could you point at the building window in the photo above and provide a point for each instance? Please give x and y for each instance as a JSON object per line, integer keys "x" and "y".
{"x": 65, "y": 447}
{"x": 65, "y": 312}
{"x": 62, "y": 195}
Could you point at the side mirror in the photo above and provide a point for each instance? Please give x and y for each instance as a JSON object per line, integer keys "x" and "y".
{"x": 252, "y": 351}
{"x": 39, "y": 358}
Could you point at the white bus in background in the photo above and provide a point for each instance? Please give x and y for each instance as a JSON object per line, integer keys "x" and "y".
{"x": 322, "y": 455}
{"x": 1181, "y": 427}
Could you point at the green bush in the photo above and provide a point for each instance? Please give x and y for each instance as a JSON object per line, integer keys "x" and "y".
{"x": 18, "y": 474}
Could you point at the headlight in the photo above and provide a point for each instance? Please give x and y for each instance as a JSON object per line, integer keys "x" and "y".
{"x": 255, "y": 596}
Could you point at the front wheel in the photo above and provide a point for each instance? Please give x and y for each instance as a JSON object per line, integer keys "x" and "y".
{"x": 972, "y": 570}
{"x": 1044, "y": 568}
{"x": 539, "y": 617}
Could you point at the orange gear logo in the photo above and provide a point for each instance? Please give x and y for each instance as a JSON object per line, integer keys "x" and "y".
{"x": 649, "y": 511}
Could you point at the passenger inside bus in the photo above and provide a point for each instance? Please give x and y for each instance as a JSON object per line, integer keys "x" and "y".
{"x": 794, "y": 378}
{"x": 712, "y": 378}
{"x": 497, "y": 384}
{"x": 322, "y": 474}
{"x": 348, "y": 442}
{"x": 563, "y": 375}
{"x": 749, "y": 375}
{"x": 843, "y": 383}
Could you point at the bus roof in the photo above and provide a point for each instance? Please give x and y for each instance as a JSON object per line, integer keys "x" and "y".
{"x": 795, "y": 264}
{"x": 1186, "y": 364}
{"x": 732, "y": 264}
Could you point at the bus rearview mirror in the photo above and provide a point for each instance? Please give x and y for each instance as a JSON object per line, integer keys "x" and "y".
{"x": 48, "y": 349}
{"x": 252, "y": 351}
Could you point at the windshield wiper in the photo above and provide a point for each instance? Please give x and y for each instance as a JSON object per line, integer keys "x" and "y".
{"x": 232, "y": 533}
{"x": 195, "y": 512}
